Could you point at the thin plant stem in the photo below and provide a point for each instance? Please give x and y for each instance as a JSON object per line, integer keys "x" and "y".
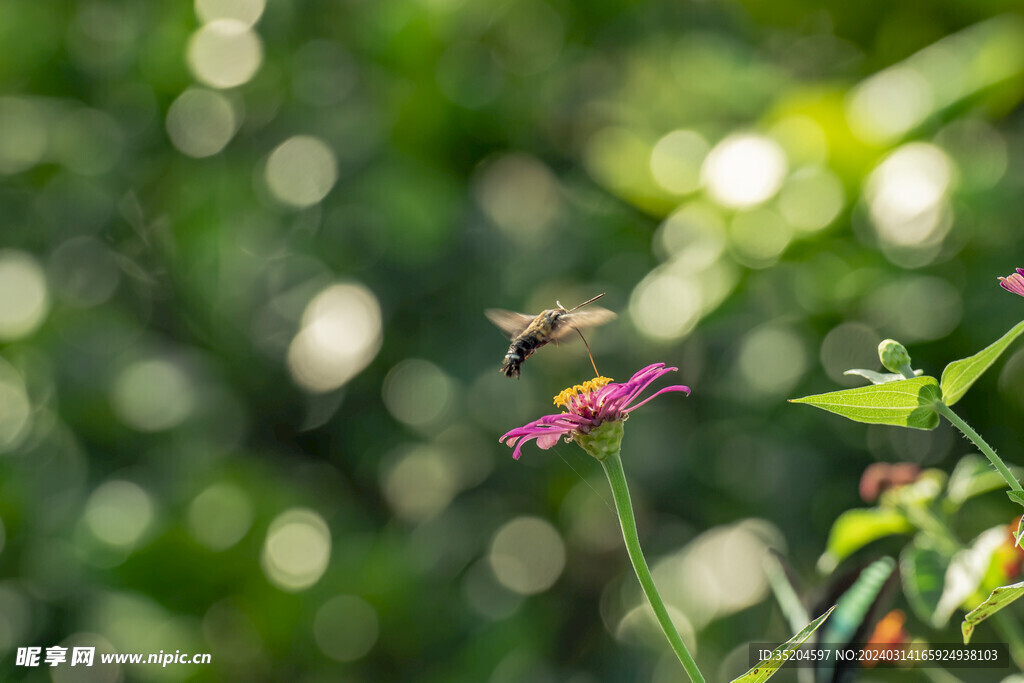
{"x": 620, "y": 493}
{"x": 1010, "y": 629}
{"x": 997, "y": 462}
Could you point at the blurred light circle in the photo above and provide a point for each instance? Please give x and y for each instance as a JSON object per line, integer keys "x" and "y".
{"x": 323, "y": 73}
{"x": 87, "y": 141}
{"x": 619, "y": 159}
{"x": 889, "y": 104}
{"x": 849, "y": 346}
{"x": 153, "y": 395}
{"x": 102, "y": 38}
{"x": 201, "y": 122}
{"x": 301, "y": 171}
{"x": 15, "y": 407}
{"x": 15, "y": 615}
{"x": 420, "y": 484}
{"x": 246, "y": 11}
{"x": 225, "y": 53}
{"x": 339, "y": 335}
{"x": 119, "y": 512}
{"x": 718, "y": 573}
{"x": 530, "y": 35}
{"x": 639, "y": 626}
{"x": 744, "y": 170}
{"x": 771, "y": 360}
{"x": 811, "y": 198}
{"x": 802, "y": 139}
{"x": 676, "y": 160}
{"x": 24, "y": 299}
{"x": 99, "y": 672}
{"x": 346, "y": 628}
{"x": 485, "y": 595}
{"x": 519, "y": 194}
{"x": 979, "y": 150}
{"x": 1011, "y": 378}
{"x": 231, "y": 633}
{"x": 907, "y": 192}
{"x": 915, "y": 308}
{"x": 297, "y": 549}
{"x": 693, "y": 236}
{"x": 220, "y": 516}
{"x": 84, "y": 272}
{"x": 469, "y": 75}
{"x": 759, "y": 237}
{"x": 24, "y": 138}
{"x": 665, "y": 305}
{"x": 527, "y": 555}
{"x": 417, "y": 392}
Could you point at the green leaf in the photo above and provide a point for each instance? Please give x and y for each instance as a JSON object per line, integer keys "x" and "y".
{"x": 852, "y": 607}
{"x": 997, "y": 600}
{"x": 906, "y": 403}
{"x": 959, "y": 375}
{"x": 923, "y": 570}
{"x": 879, "y": 377}
{"x": 967, "y": 570}
{"x": 1016, "y": 496}
{"x": 767, "y": 668}
{"x": 972, "y": 476}
{"x": 854, "y": 529}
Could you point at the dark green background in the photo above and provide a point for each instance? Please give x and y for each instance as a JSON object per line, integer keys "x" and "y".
{"x": 489, "y": 154}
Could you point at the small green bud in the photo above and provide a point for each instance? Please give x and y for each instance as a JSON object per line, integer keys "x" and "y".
{"x": 601, "y": 442}
{"x": 894, "y": 356}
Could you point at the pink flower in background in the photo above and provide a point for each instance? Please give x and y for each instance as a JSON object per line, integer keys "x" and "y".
{"x": 1014, "y": 283}
{"x": 590, "y": 405}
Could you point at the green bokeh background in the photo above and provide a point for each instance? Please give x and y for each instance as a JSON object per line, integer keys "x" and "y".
{"x": 484, "y": 154}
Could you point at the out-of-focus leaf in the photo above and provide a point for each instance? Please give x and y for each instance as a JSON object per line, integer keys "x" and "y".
{"x": 972, "y": 476}
{"x": 967, "y": 569}
{"x": 785, "y": 593}
{"x": 879, "y": 377}
{"x": 767, "y": 667}
{"x": 854, "y": 604}
{"x": 997, "y": 600}
{"x": 853, "y": 608}
{"x": 959, "y": 375}
{"x": 906, "y": 403}
{"x": 920, "y": 493}
{"x": 923, "y": 571}
{"x": 854, "y": 529}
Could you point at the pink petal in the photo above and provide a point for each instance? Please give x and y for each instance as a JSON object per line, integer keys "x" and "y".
{"x": 548, "y": 440}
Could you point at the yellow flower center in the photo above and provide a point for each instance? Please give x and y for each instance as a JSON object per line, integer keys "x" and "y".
{"x": 590, "y": 385}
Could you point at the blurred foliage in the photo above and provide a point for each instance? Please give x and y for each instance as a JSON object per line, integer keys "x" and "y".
{"x": 249, "y": 403}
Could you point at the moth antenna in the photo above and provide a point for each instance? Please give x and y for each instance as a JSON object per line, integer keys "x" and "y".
{"x": 588, "y": 301}
{"x": 592, "y": 363}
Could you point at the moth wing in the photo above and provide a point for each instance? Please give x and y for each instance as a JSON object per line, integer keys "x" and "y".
{"x": 509, "y": 322}
{"x": 592, "y": 317}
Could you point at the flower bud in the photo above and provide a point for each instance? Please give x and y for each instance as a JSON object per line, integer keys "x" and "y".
{"x": 894, "y": 356}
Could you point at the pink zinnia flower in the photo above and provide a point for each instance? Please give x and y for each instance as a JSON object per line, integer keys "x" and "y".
{"x": 1014, "y": 283}
{"x": 591, "y": 404}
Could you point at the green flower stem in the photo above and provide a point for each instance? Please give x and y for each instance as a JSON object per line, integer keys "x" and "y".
{"x": 997, "y": 462}
{"x": 620, "y": 493}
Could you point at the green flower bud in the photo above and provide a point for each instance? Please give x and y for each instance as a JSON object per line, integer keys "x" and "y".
{"x": 894, "y": 356}
{"x": 601, "y": 442}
